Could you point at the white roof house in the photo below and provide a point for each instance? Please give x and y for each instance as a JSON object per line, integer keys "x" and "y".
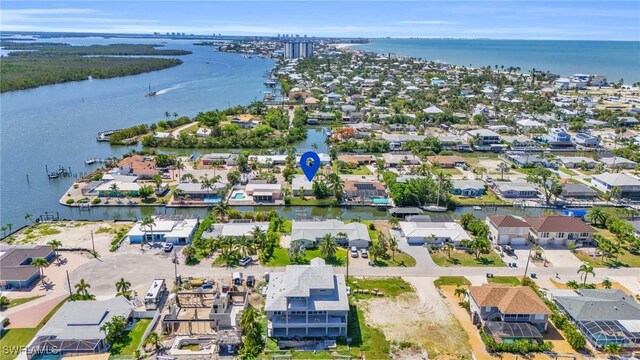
{"x": 435, "y": 233}
{"x": 310, "y": 232}
{"x": 433, "y": 110}
{"x": 234, "y": 229}
{"x": 301, "y": 182}
{"x": 123, "y": 186}
{"x": 171, "y": 229}
{"x": 629, "y": 185}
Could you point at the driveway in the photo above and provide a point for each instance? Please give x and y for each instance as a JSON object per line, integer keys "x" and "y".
{"x": 519, "y": 256}
{"x": 561, "y": 257}
{"x": 419, "y": 252}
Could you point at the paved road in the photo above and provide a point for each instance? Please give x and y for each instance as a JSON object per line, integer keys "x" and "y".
{"x": 140, "y": 269}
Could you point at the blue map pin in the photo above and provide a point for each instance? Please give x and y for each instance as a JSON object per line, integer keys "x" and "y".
{"x": 310, "y": 170}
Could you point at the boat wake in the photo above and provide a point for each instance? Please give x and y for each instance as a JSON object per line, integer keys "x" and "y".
{"x": 164, "y": 91}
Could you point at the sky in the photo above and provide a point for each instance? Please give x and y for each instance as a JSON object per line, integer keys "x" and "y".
{"x": 542, "y": 19}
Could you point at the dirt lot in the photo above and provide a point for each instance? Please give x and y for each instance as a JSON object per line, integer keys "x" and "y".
{"x": 72, "y": 234}
{"x": 409, "y": 317}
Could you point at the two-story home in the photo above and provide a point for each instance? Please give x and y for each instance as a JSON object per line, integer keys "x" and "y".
{"x": 559, "y": 230}
{"x": 629, "y": 186}
{"x": 483, "y": 139}
{"x": 307, "y": 301}
{"x": 508, "y": 313}
{"x": 507, "y": 230}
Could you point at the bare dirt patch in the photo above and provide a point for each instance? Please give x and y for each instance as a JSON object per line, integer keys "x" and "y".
{"x": 420, "y": 320}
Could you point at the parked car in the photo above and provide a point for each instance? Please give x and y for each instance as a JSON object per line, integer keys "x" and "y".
{"x": 245, "y": 261}
{"x": 167, "y": 247}
{"x": 237, "y": 278}
{"x": 354, "y": 252}
{"x": 364, "y": 253}
{"x": 251, "y": 281}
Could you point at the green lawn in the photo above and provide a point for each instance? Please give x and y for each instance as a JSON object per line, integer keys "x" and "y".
{"x": 451, "y": 280}
{"x": 360, "y": 170}
{"x": 488, "y": 198}
{"x": 567, "y": 171}
{"x": 625, "y": 259}
{"x": 448, "y": 171}
{"x": 463, "y": 258}
{"x": 400, "y": 259}
{"x": 311, "y": 201}
{"x": 131, "y": 340}
{"x": 508, "y": 280}
{"x": 16, "y": 302}
{"x": 281, "y": 258}
{"x": 13, "y": 340}
{"x": 389, "y": 286}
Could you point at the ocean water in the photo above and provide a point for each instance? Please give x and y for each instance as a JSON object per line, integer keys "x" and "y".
{"x": 614, "y": 59}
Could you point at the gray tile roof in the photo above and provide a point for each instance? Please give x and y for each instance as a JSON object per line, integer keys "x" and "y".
{"x": 312, "y": 230}
{"x": 599, "y": 305}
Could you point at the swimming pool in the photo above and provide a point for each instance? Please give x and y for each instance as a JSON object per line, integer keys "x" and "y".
{"x": 381, "y": 201}
{"x": 212, "y": 199}
{"x": 238, "y": 196}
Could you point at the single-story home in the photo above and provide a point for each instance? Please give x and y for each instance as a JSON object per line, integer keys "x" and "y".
{"x": 470, "y": 188}
{"x": 357, "y": 159}
{"x": 572, "y": 162}
{"x": 447, "y": 161}
{"x": 578, "y": 191}
{"x": 226, "y": 158}
{"x": 16, "y": 271}
{"x": 309, "y": 233}
{"x": 433, "y": 233}
{"x": 396, "y": 159}
{"x": 301, "y": 183}
{"x": 515, "y": 189}
{"x": 175, "y": 229}
{"x": 116, "y": 188}
{"x": 234, "y": 229}
{"x": 618, "y": 162}
{"x": 629, "y": 186}
{"x": 263, "y": 191}
{"x": 195, "y": 192}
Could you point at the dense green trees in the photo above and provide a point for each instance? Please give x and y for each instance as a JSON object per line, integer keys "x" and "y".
{"x": 419, "y": 192}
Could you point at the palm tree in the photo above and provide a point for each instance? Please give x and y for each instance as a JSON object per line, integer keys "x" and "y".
{"x": 393, "y": 221}
{"x": 148, "y": 223}
{"x": 460, "y": 292}
{"x": 250, "y": 318}
{"x": 122, "y": 286}
{"x": 245, "y": 245}
{"x": 4, "y": 302}
{"x": 586, "y": 269}
{"x": 597, "y": 216}
{"x": 10, "y": 226}
{"x": 4, "y": 230}
{"x": 606, "y": 283}
{"x": 82, "y": 287}
{"x": 573, "y": 284}
{"x": 259, "y": 237}
{"x": 55, "y": 245}
{"x": 615, "y": 193}
{"x": 503, "y": 168}
{"x": 40, "y": 263}
{"x": 29, "y": 217}
{"x": 296, "y": 251}
{"x": 328, "y": 246}
{"x": 189, "y": 252}
{"x": 393, "y": 246}
{"x": 336, "y": 184}
{"x": 448, "y": 247}
{"x": 478, "y": 245}
{"x": 221, "y": 210}
{"x": 114, "y": 189}
{"x": 154, "y": 339}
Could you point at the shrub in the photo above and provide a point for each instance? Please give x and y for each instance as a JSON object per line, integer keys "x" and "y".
{"x": 70, "y": 201}
{"x": 372, "y": 227}
{"x": 96, "y": 201}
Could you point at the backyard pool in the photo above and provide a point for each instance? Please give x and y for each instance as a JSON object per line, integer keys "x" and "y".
{"x": 212, "y": 199}
{"x": 238, "y": 196}
{"x": 381, "y": 201}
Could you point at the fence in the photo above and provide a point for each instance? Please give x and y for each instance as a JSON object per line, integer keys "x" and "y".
{"x": 153, "y": 323}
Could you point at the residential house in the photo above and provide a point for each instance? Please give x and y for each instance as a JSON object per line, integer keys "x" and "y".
{"x": 245, "y": 121}
{"x": 322, "y": 116}
{"x": 141, "y": 166}
{"x": 396, "y": 140}
{"x": 560, "y": 230}
{"x": 75, "y": 329}
{"x": 365, "y": 193}
{"x": 186, "y": 191}
{"x": 203, "y": 132}
{"x": 558, "y": 138}
{"x": 432, "y": 233}
{"x": 578, "y": 192}
{"x": 235, "y": 229}
{"x": 301, "y": 186}
{"x": 516, "y": 189}
{"x": 484, "y": 139}
{"x": 572, "y": 162}
{"x": 453, "y": 142}
{"x": 468, "y": 188}
{"x": 604, "y": 316}
{"x": 508, "y": 313}
{"x": 175, "y": 229}
{"x": 526, "y": 159}
{"x": 629, "y": 186}
{"x": 521, "y": 143}
{"x": 507, "y": 230}
{"x": 529, "y": 124}
{"x": 616, "y": 162}
{"x": 309, "y": 233}
{"x": 433, "y": 110}
{"x": 586, "y": 140}
{"x": 400, "y": 159}
{"x": 447, "y": 161}
{"x": 261, "y": 191}
{"x": 307, "y": 301}
{"x": 216, "y": 158}
{"x": 117, "y": 188}
{"x": 16, "y": 270}
{"x": 357, "y": 159}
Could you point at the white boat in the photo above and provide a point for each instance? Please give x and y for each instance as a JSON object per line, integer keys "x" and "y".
{"x": 477, "y": 208}
{"x": 434, "y": 208}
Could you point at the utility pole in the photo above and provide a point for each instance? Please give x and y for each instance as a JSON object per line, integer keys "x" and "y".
{"x": 69, "y": 283}
{"x": 528, "y": 258}
{"x": 175, "y": 265}
{"x": 93, "y": 245}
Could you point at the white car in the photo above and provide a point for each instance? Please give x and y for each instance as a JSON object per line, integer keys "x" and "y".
{"x": 245, "y": 261}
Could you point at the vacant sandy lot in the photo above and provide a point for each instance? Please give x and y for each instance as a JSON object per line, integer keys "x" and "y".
{"x": 410, "y": 317}
{"x": 72, "y": 234}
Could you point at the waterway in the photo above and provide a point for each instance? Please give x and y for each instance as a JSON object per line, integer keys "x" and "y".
{"x": 57, "y": 124}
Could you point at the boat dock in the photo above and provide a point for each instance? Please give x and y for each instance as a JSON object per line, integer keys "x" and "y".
{"x": 104, "y": 135}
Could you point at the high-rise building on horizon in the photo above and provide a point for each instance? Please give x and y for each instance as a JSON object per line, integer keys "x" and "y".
{"x": 298, "y": 49}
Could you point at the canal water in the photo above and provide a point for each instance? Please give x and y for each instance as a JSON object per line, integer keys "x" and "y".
{"x": 56, "y": 125}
